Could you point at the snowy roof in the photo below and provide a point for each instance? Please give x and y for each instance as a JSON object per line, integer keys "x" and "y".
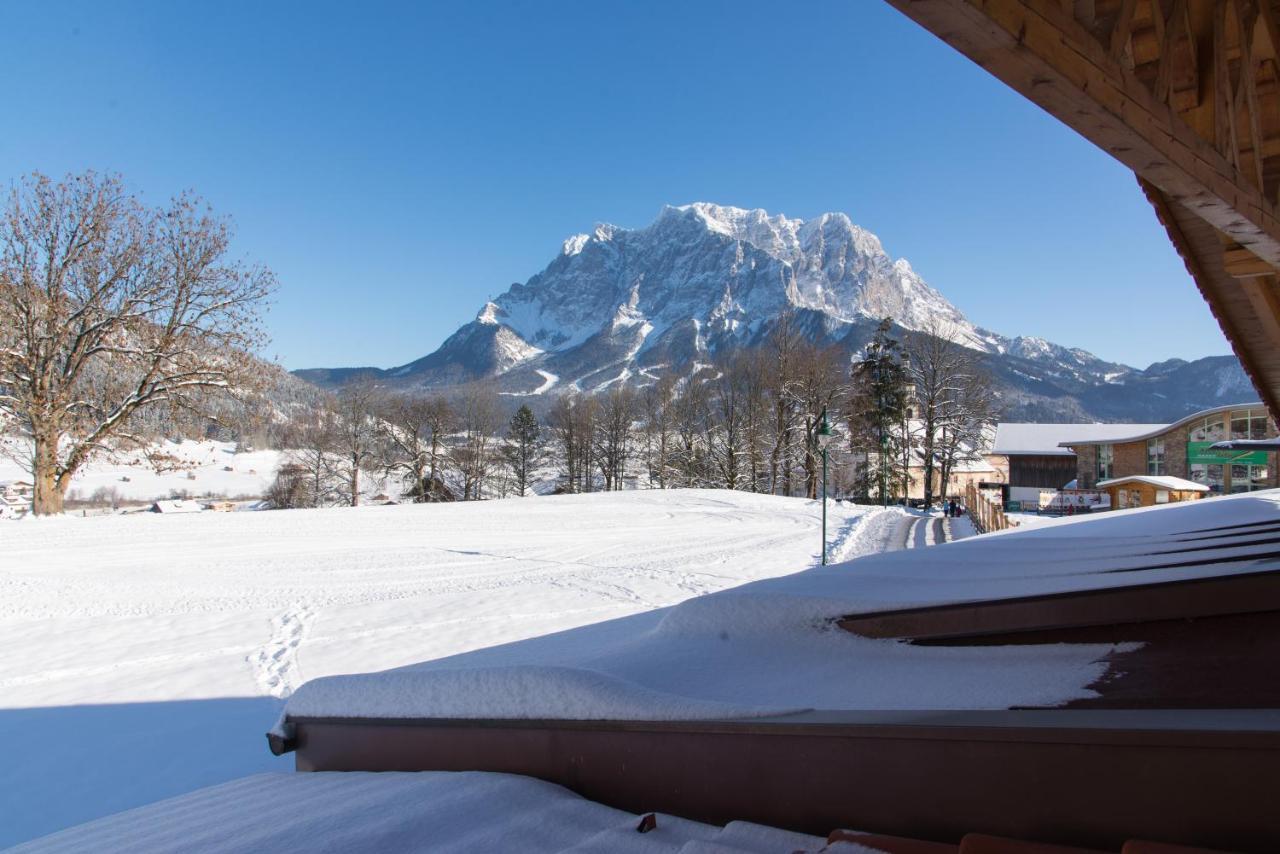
{"x": 972, "y": 465}
{"x": 765, "y": 647}
{"x": 1162, "y": 481}
{"x": 444, "y": 811}
{"x": 1141, "y": 432}
{"x": 177, "y": 505}
{"x": 1017, "y": 439}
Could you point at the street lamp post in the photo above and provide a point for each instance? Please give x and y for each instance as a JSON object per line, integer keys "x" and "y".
{"x": 884, "y": 436}
{"x": 824, "y": 439}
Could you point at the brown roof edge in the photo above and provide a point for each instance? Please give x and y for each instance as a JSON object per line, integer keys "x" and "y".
{"x": 924, "y": 775}
{"x": 1185, "y": 598}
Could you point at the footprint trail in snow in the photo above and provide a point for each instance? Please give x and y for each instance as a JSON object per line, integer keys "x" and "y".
{"x": 275, "y": 665}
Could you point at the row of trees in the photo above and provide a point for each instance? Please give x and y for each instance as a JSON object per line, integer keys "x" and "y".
{"x": 120, "y": 320}
{"x": 750, "y": 422}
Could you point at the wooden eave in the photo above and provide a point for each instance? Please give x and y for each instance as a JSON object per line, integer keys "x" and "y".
{"x": 1186, "y": 93}
{"x": 1252, "y": 327}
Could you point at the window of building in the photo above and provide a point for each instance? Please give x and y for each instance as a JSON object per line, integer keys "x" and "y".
{"x": 1155, "y": 456}
{"x": 1106, "y": 456}
{"x": 1249, "y": 424}
{"x": 1162, "y": 496}
{"x": 1210, "y": 475}
{"x": 1126, "y": 498}
{"x": 1246, "y": 478}
{"x": 1211, "y": 429}
{"x": 1259, "y": 477}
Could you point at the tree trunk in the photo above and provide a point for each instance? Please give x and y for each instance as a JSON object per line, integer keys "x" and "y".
{"x": 928, "y": 479}
{"x": 419, "y": 480}
{"x": 48, "y": 492}
{"x": 355, "y": 481}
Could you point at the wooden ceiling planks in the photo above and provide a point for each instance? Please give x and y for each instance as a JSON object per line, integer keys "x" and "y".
{"x": 1184, "y": 92}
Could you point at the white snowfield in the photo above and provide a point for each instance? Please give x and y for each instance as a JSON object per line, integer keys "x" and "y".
{"x": 144, "y": 656}
{"x": 198, "y": 468}
{"x": 772, "y": 645}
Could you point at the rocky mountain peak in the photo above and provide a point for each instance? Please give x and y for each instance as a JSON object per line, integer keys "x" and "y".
{"x": 704, "y": 279}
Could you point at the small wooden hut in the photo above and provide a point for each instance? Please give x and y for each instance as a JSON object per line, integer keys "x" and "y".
{"x": 1143, "y": 490}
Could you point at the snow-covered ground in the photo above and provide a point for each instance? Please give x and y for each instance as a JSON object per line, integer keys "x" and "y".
{"x": 1035, "y": 520}
{"x": 195, "y": 468}
{"x": 771, "y": 647}
{"x": 145, "y": 656}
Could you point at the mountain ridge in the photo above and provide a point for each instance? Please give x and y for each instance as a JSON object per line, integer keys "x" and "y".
{"x": 624, "y": 305}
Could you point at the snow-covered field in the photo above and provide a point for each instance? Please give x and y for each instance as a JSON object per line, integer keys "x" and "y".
{"x": 145, "y": 656}
{"x": 197, "y": 468}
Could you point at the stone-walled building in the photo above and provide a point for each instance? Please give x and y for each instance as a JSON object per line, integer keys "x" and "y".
{"x": 1182, "y": 449}
{"x": 1033, "y": 458}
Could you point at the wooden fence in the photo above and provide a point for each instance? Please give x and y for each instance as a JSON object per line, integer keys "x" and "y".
{"x": 987, "y": 515}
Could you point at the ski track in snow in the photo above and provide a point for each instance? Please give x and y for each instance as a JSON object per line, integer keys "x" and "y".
{"x": 918, "y": 532}
{"x": 549, "y": 381}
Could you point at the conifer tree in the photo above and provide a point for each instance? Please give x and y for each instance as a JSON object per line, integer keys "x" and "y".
{"x": 878, "y": 413}
{"x": 523, "y": 448}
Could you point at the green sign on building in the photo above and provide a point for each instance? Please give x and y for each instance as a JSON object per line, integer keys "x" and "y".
{"x": 1200, "y": 452}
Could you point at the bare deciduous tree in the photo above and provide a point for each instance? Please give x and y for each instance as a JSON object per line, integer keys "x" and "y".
{"x": 614, "y": 425}
{"x": 571, "y": 423}
{"x": 357, "y": 433}
{"x": 656, "y": 403}
{"x": 783, "y": 343}
{"x": 480, "y": 418}
{"x": 310, "y": 470}
{"x": 728, "y": 439}
{"x": 413, "y": 430}
{"x": 952, "y": 395}
{"x": 109, "y": 308}
{"x": 820, "y": 384}
{"x": 690, "y": 417}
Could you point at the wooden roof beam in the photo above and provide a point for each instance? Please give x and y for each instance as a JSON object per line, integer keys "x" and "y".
{"x": 1039, "y": 49}
{"x": 1240, "y": 263}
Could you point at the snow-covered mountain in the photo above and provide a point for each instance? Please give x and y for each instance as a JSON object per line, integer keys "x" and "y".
{"x": 622, "y": 305}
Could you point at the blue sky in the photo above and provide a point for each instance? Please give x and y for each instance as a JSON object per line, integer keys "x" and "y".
{"x": 399, "y": 164}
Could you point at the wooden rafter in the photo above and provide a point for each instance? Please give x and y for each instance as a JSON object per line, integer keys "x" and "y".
{"x": 1184, "y": 92}
{"x": 1057, "y": 61}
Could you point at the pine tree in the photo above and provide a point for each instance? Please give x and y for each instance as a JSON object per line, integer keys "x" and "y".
{"x": 878, "y": 413}
{"x": 523, "y": 448}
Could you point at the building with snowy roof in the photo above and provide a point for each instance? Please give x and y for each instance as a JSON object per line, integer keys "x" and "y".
{"x": 1141, "y": 490}
{"x": 1182, "y": 450}
{"x": 13, "y": 506}
{"x": 15, "y": 499}
{"x": 1034, "y": 459}
{"x": 176, "y": 505}
{"x": 970, "y": 464}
